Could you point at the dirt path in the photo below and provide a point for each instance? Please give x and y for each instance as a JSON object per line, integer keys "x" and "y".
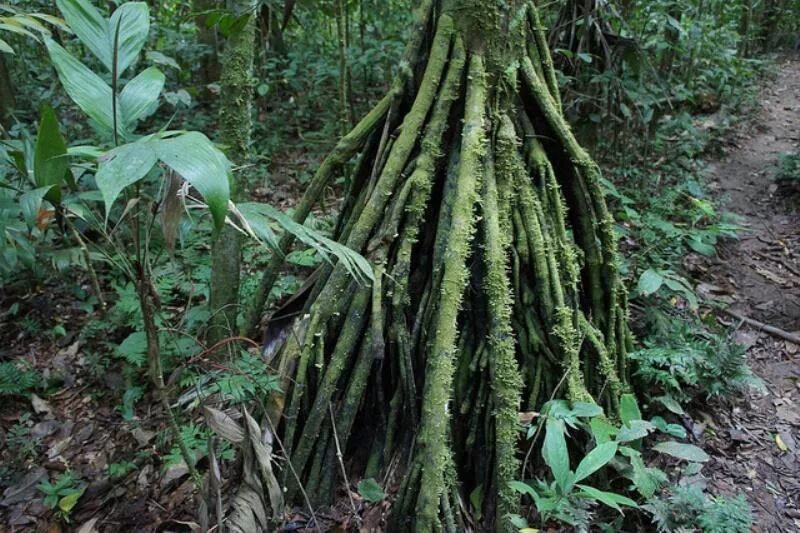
{"x": 756, "y": 441}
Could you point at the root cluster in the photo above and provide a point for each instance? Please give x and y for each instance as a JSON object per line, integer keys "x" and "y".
{"x": 496, "y": 284}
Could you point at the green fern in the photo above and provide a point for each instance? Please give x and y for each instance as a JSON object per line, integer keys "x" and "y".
{"x": 18, "y": 377}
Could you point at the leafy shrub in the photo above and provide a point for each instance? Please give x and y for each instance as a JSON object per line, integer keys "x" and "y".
{"x": 788, "y": 172}
{"x": 687, "y": 507}
{"x": 685, "y": 360}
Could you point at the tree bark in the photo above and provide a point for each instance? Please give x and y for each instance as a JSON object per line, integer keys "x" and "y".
{"x": 235, "y": 126}
{"x": 209, "y": 64}
{"x": 7, "y": 100}
{"x": 496, "y": 277}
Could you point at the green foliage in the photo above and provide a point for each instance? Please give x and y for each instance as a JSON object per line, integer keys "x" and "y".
{"x": 25, "y": 24}
{"x": 566, "y": 499}
{"x": 18, "y": 377}
{"x": 195, "y": 438}
{"x": 63, "y": 495}
{"x": 569, "y": 498}
{"x": 370, "y": 491}
{"x": 121, "y": 469}
{"x": 19, "y": 440}
{"x": 687, "y": 507}
{"x": 248, "y": 378}
{"x": 685, "y": 360}
{"x": 129, "y": 399}
{"x": 50, "y": 166}
{"x": 788, "y": 172}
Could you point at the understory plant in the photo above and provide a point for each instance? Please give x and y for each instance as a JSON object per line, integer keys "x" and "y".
{"x": 616, "y": 458}
{"x": 167, "y": 180}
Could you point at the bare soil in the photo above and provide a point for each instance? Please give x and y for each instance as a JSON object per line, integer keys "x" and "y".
{"x": 754, "y": 440}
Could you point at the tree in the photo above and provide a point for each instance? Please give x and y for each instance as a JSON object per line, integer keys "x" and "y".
{"x": 496, "y": 280}
{"x": 206, "y": 35}
{"x": 7, "y": 100}
{"x": 235, "y": 126}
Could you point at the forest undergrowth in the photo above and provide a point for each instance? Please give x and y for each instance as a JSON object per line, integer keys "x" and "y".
{"x": 96, "y": 436}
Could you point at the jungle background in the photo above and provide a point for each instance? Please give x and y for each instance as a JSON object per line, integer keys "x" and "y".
{"x": 690, "y": 107}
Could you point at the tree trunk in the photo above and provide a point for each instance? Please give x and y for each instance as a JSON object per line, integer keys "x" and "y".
{"x": 7, "y": 100}
{"x": 209, "y": 65}
{"x": 271, "y": 28}
{"x": 496, "y": 278}
{"x": 235, "y": 125}
{"x": 745, "y": 21}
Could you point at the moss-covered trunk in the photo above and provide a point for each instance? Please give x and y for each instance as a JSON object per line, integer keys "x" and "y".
{"x": 497, "y": 278}
{"x": 235, "y": 126}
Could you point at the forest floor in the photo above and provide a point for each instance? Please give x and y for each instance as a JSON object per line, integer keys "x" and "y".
{"x": 754, "y": 440}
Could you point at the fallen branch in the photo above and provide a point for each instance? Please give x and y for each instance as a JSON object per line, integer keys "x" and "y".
{"x": 780, "y": 261}
{"x": 772, "y": 330}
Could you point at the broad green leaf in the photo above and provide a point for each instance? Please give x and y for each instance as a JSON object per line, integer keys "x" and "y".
{"x": 611, "y": 499}
{"x": 586, "y": 410}
{"x": 524, "y": 488}
{"x": 161, "y": 59}
{"x": 671, "y": 404}
{"x": 50, "y": 19}
{"x": 649, "y": 282}
{"x": 195, "y": 158}
{"x": 634, "y": 430}
{"x": 703, "y": 248}
{"x": 98, "y": 34}
{"x": 681, "y": 286}
{"x": 517, "y": 521}
{"x": 31, "y": 23}
{"x": 134, "y": 25}
{"x": 602, "y": 431}
{"x": 674, "y": 430}
{"x": 672, "y": 21}
{"x": 124, "y": 166}
{"x": 5, "y": 47}
{"x": 681, "y": 450}
{"x": 259, "y": 223}
{"x": 85, "y": 151}
{"x": 89, "y": 24}
{"x": 629, "y": 408}
{"x": 140, "y": 96}
{"x": 31, "y": 202}
{"x": 646, "y": 480}
{"x": 15, "y": 27}
{"x": 50, "y": 163}
{"x": 595, "y": 460}
{"x": 370, "y": 490}
{"x": 86, "y": 88}
{"x": 555, "y": 453}
{"x": 68, "y": 502}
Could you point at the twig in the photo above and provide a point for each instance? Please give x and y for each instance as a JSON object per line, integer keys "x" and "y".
{"x": 772, "y": 330}
{"x": 341, "y": 465}
{"x": 778, "y": 260}
{"x": 88, "y": 258}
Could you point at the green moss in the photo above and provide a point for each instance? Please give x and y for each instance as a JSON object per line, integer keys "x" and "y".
{"x": 505, "y": 375}
{"x": 431, "y": 441}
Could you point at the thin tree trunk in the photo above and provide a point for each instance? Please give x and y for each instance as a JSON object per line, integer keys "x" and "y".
{"x": 7, "y": 100}
{"x": 344, "y": 70}
{"x": 207, "y": 36}
{"x": 235, "y": 127}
